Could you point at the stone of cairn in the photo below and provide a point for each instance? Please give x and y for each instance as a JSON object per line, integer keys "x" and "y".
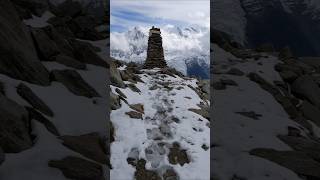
{"x": 155, "y": 55}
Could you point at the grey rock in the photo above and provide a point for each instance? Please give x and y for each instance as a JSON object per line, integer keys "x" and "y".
{"x": 27, "y": 94}
{"x": 134, "y": 115}
{"x": 115, "y": 76}
{"x": 137, "y": 107}
{"x": 202, "y": 112}
{"x": 236, "y": 72}
{"x": 73, "y": 82}
{"x": 90, "y": 145}
{"x": 310, "y": 112}
{"x": 288, "y": 76}
{"x": 33, "y": 114}
{"x": 134, "y": 88}
{"x": 219, "y": 86}
{"x": 133, "y": 156}
{"x": 178, "y": 155}
{"x": 14, "y": 126}
{"x": 308, "y": 146}
{"x": 68, "y": 8}
{"x": 78, "y": 168}
{"x": 296, "y": 161}
{"x": 85, "y": 53}
{"x": 143, "y": 174}
{"x": 36, "y": 7}
{"x": 83, "y": 27}
{"x": 69, "y": 61}
{"x": 114, "y": 101}
{"x": 18, "y": 57}
{"x": 250, "y": 114}
{"x": 228, "y": 82}
{"x": 46, "y": 47}
{"x": 305, "y": 86}
{"x": 120, "y": 93}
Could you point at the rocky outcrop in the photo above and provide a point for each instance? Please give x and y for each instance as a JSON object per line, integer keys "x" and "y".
{"x": 298, "y": 162}
{"x": 90, "y": 145}
{"x": 155, "y": 55}
{"x": 73, "y": 82}
{"x": 78, "y": 168}
{"x": 115, "y": 76}
{"x": 14, "y": 126}
{"x": 27, "y": 94}
{"x": 306, "y": 87}
{"x": 18, "y": 57}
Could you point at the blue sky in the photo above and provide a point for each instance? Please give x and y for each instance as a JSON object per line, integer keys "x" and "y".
{"x": 129, "y": 13}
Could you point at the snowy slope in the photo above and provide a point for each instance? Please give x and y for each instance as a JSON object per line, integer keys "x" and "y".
{"x": 234, "y": 135}
{"x": 165, "y": 108}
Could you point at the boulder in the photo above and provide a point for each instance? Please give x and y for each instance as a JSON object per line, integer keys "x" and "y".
{"x": 90, "y": 145}
{"x": 288, "y": 76}
{"x": 114, "y": 101}
{"x": 73, "y": 82}
{"x": 18, "y": 57}
{"x": 36, "y": 7}
{"x": 306, "y": 87}
{"x": 14, "y": 126}
{"x": 78, "y": 168}
{"x": 310, "y": 112}
{"x": 115, "y": 76}
{"x": 69, "y": 61}
{"x": 45, "y": 46}
{"x": 120, "y": 93}
{"x": 68, "y": 8}
{"x": 34, "y": 114}
{"x": 235, "y": 71}
{"x": 83, "y": 27}
{"x": 134, "y": 115}
{"x": 296, "y": 161}
{"x": 302, "y": 144}
{"x": 285, "y": 53}
{"x": 137, "y": 107}
{"x": 27, "y": 94}
{"x": 85, "y": 53}
{"x": 144, "y": 174}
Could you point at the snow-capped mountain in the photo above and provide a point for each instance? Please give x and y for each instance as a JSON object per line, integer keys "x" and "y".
{"x": 293, "y": 23}
{"x": 182, "y": 47}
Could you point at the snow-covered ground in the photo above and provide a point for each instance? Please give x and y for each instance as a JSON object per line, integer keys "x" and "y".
{"x": 161, "y": 106}
{"x": 235, "y": 135}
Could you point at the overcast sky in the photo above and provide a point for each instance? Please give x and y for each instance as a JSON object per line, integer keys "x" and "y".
{"x": 130, "y": 13}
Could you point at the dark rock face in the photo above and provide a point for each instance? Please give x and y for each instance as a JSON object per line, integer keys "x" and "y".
{"x": 69, "y": 61}
{"x": 89, "y": 145}
{"x": 73, "y": 81}
{"x": 14, "y": 126}
{"x": 18, "y": 57}
{"x": 37, "y": 7}
{"x": 26, "y": 93}
{"x": 68, "y": 8}
{"x": 268, "y": 22}
{"x": 155, "y": 55}
{"x": 78, "y": 168}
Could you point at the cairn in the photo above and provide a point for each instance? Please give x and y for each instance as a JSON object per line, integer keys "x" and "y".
{"x": 155, "y": 55}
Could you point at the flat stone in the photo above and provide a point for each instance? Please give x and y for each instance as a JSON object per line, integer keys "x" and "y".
{"x": 90, "y": 145}
{"x": 177, "y": 155}
{"x": 78, "y": 168}
{"x": 27, "y": 94}
{"x": 134, "y": 114}
{"x": 74, "y": 83}
{"x": 137, "y": 107}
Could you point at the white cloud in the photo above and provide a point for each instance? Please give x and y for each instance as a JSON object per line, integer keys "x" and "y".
{"x": 190, "y": 12}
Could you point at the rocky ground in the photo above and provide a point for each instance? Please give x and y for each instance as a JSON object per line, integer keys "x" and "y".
{"x": 53, "y": 95}
{"x": 265, "y": 113}
{"x": 161, "y": 124}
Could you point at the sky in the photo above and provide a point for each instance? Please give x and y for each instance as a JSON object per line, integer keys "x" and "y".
{"x": 126, "y": 14}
